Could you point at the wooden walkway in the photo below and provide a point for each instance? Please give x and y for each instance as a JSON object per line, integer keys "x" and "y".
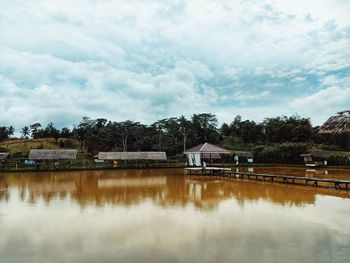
{"x": 289, "y": 179}
{"x": 211, "y": 171}
{"x": 286, "y": 179}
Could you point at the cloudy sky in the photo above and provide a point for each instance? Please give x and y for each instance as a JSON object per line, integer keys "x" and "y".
{"x": 147, "y": 60}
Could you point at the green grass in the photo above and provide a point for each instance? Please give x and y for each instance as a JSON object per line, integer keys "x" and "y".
{"x": 23, "y": 146}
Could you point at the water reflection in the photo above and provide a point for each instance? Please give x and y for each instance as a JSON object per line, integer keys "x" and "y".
{"x": 163, "y": 187}
{"x": 164, "y": 216}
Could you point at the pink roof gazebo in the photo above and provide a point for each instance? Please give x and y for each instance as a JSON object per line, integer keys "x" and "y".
{"x": 208, "y": 149}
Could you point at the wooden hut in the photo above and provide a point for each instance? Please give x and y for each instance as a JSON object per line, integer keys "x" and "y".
{"x": 243, "y": 157}
{"x": 315, "y": 158}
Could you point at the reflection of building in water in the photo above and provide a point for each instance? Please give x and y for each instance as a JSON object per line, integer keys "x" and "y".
{"x": 119, "y": 188}
{"x": 251, "y": 169}
{"x": 4, "y": 194}
{"x": 159, "y": 181}
{"x": 316, "y": 172}
{"x": 209, "y": 193}
{"x": 195, "y": 191}
{"x": 163, "y": 187}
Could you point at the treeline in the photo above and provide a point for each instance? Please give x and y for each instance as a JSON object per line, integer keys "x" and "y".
{"x": 175, "y": 134}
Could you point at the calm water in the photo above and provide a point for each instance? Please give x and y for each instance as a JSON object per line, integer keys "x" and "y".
{"x": 164, "y": 216}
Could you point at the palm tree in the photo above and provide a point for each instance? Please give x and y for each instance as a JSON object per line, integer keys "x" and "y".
{"x": 25, "y": 132}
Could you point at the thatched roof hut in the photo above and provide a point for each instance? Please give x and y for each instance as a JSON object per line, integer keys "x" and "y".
{"x": 132, "y": 156}
{"x": 337, "y": 124}
{"x": 44, "y": 154}
{"x": 3, "y": 156}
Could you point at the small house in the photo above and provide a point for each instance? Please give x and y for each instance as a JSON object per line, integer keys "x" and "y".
{"x": 314, "y": 158}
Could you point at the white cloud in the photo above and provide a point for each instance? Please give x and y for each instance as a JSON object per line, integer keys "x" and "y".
{"x": 323, "y": 103}
{"x": 148, "y": 60}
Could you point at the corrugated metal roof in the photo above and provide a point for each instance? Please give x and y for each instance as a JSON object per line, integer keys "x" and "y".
{"x": 207, "y": 148}
{"x": 3, "y": 156}
{"x": 132, "y": 156}
{"x": 44, "y": 154}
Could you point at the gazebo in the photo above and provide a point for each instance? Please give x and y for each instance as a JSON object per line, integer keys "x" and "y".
{"x": 196, "y": 155}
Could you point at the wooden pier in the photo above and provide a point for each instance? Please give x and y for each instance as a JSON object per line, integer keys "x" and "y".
{"x": 286, "y": 179}
{"x": 211, "y": 171}
{"x": 289, "y": 179}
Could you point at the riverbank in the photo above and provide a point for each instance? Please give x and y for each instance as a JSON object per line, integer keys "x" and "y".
{"x": 98, "y": 166}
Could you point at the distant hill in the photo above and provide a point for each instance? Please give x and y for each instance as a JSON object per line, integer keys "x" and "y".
{"x": 21, "y": 147}
{"x": 337, "y": 124}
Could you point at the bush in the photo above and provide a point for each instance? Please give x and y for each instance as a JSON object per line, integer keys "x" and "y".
{"x": 338, "y": 160}
{"x": 40, "y": 146}
{"x": 3, "y": 149}
{"x": 69, "y": 143}
{"x": 280, "y": 153}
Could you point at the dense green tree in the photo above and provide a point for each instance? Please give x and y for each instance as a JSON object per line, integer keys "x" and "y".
{"x": 36, "y": 131}
{"x": 4, "y": 133}
{"x": 288, "y": 129}
{"x": 51, "y": 131}
{"x": 65, "y": 132}
{"x": 204, "y": 127}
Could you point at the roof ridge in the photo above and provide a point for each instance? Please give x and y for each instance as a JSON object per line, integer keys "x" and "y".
{"x": 203, "y": 146}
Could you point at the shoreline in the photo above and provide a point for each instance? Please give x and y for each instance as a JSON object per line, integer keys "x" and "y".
{"x": 182, "y": 166}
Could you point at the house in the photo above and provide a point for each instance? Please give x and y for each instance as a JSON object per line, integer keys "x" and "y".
{"x": 314, "y": 158}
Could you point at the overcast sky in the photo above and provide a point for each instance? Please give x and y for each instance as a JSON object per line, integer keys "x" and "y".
{"x": 147, "y": 60}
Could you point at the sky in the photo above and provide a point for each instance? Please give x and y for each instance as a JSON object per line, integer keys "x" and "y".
{"x": 148, "y": 60}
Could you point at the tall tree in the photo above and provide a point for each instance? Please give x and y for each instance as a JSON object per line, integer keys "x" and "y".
{"x": 124, "y": 131}
{"x": 205, "y": 127}
{"x": 25, "y": 132}
{"x": 4, "y": 133}
{"x": 159, "y": 127}
{"x": 185, "y": 127}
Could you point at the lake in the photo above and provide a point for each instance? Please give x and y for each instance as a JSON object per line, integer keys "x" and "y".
{"x": 163, "y": 215}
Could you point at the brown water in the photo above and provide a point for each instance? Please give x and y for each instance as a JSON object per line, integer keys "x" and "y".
{"x": 165, "y": 216}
